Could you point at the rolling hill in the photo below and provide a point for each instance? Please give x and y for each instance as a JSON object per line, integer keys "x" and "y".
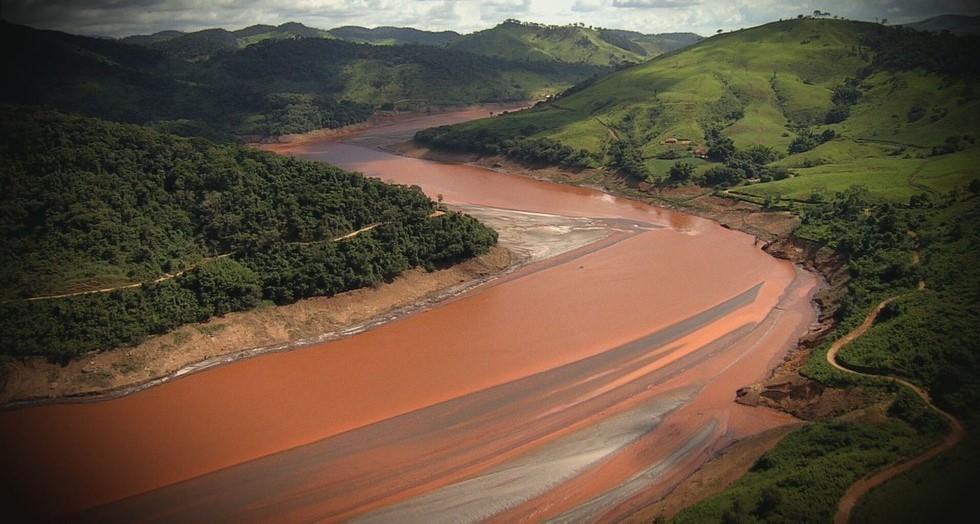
{"x": 272, "y": 87}
{"x": 511, "y": 40}
{"x": 201, "y": 45}
{"x": 387, "y": 35}
{"x": 648, "y": 45}
{"x": 900, "y": 105}
{"x": 531, "y": 42}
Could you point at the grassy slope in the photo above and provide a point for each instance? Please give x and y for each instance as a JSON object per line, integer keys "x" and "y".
{"x": 781, "y": 76}
{"x": 515, "y": 41}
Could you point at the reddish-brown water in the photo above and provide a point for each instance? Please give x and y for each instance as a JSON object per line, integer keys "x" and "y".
{"x": 574, "y": 388}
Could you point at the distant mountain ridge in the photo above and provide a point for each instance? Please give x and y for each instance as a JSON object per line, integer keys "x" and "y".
{"x": 388, "y": 35}
{"x": 956, "y": 24}
{"x": 510, "y": 40}
{"x": 203, "y": 84}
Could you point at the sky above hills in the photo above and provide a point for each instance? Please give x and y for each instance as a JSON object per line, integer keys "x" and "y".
{"x": 126, "y": 17}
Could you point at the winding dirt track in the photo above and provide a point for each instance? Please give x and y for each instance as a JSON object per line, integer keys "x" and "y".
{"x": 866, "y": 484}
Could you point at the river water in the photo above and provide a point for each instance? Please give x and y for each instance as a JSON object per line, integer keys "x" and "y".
{"x": 576, "y": 388}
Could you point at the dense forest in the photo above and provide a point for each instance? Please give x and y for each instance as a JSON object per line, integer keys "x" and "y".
{"x": 269, "y": 88}
{"x": 89, "y": 204}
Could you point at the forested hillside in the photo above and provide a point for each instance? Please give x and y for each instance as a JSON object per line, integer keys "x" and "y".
{"x": 272, "y": 87}
{"x": 201, "y": 45}
{"x": 90, "y": 204}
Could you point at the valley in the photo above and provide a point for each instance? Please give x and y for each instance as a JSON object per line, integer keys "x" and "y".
{"x": 489, "y": 270}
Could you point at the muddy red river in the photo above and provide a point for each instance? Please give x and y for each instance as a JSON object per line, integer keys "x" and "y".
{"x": 573, "y": 389}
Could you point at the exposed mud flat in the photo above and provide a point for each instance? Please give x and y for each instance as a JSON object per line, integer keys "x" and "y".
{"x": 605, "y": 374}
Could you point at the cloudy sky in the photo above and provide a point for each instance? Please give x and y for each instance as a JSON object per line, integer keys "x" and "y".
{"x": 126, "y": 17}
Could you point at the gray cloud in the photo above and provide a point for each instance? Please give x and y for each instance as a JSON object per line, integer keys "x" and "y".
{"x": 655, "y": 4}
{"x": 123, "y": 17}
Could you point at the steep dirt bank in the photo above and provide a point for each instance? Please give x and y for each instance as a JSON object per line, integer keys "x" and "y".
{"x": 169, "y": 354}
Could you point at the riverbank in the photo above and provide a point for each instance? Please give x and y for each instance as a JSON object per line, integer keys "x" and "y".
{"x": 224, "y": 339}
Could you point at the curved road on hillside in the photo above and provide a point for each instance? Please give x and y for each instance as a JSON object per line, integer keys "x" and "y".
{"x": 866, "y": 484}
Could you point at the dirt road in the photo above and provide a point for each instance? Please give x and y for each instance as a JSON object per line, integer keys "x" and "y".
{"x": 866, "y": 484}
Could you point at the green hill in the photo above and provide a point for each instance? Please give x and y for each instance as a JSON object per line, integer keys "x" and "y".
{"x": 648, "y": 45}
{"x": 797, "y": 116}
{"x": 201, "y": 45}
{"x": 394, "y": 35}
{"x": 272, "y": 87}
{"x": 900, "y": 106}
{"x": 524, "y": 41}
{"x": 89, "y": 204}
{"x": 147, "y": 40}
{"x": 956, "y": 24}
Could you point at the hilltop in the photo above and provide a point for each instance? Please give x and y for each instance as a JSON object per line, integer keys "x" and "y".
{"x": 648, "y": 45}
{"x": 835, "y": 102}
{"x": 200, "y": 45}
{"x": 387, "y": 35}
{"x": 531, "y": 42}
{"x": 511, "y": 40}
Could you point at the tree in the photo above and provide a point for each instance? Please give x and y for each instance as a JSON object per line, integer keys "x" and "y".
{"x": 723, "y": 176}
{"x": 720, "y": 147}
{"x": 680, "y": 173}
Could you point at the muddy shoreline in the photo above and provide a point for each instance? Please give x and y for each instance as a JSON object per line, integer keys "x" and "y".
{"x": 428, "y": 300}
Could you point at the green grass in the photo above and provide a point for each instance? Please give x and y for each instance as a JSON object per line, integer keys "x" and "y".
{"x": 941, "y": 490}
{"x": 801, "y": 479}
